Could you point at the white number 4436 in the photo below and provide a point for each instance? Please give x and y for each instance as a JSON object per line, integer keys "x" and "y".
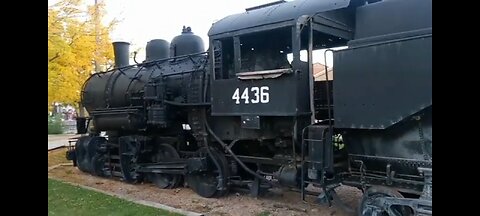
{"x": 254, "y": 96}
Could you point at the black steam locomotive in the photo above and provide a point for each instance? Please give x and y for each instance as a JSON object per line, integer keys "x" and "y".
{"x": 241, "y": 114}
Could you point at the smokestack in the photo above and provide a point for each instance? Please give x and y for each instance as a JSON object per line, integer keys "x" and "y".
{"x": 122, "y": 53}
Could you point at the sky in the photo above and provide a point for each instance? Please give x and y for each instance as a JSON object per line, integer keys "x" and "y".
{"x": 144, "y": 20}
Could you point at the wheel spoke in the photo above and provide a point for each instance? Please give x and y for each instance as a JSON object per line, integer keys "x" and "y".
{"x": 205, "y": 183}
{"x": 165, "y": 152}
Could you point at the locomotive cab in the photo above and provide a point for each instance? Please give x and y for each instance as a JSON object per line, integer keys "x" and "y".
{"x": 262, "y": 90}
{"x": 257, "y": 72}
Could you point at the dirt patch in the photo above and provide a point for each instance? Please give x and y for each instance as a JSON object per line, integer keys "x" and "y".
{"x": 57, "y": 156}
{"x": 278, "y": 202}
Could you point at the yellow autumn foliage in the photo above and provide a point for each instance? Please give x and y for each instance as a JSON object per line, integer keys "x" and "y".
{"x": 76, "y": 40}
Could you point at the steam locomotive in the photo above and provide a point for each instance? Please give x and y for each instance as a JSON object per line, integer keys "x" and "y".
{"x": 242, "y": 114}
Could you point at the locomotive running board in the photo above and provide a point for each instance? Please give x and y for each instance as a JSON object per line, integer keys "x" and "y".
{"x": 177, "y": 167}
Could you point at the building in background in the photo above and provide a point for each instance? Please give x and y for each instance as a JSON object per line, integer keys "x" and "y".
{"x": 319, "y": 72}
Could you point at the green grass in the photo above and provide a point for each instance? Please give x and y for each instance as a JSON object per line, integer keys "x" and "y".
{"x": 264, "y": 213}
{"x": 55, "y": 125}
{"x": 65, "y": 199}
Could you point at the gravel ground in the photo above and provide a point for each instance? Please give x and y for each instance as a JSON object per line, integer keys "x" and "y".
{"x": 279, "y": 202}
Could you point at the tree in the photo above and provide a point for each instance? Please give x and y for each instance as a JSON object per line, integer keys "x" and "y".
{"x": 76, "y": 40}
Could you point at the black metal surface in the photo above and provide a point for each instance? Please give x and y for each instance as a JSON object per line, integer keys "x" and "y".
{"x": 157, "y": 49}
{"x": 229, "y": 127}
{"x": 387, "y": 17}
{"x": 420, "y": 207}
{"x": 197, "y": 164}
{"x": 262, "y": 160}
{"x": 165, "y": 152}
{"x": 127, "y": 118}
{"x": 157, "y": 115}
{"x": 264, "y": 5}
{"x": 382, "y": 81}
{"x": 280, "y": 103}
{"x": 186, "y": 43}
{"x": 250, "y": 121}
{"x": 122, "y": 53}
{"x": 81, "y": 125}
{"x": 288, "y": 175}
{"x": 129, "y": 154}
{"x": 320, "y": 99}
{"x": 379, "y": 200}
{"x": 311, "y": 79}
{"x": 401, "y": 141}
{"x": 206, "y": 184}
{"x": 386, "y": 75}
{"x": 70, "y": 155}
{"x": 320, "y": 149}
{"x": 390, "y": 157}
{"x": 278, "y": 13}
{"x": 124, "y": 87}
{"x": 237, "y": 55}
{"x": 372, "y": 203}
{"x": 170, "y": 166}
{"x": 88, "y": 155}
{"x": 109, "y": 97}
{"x": 378, "y": 86}
{"x": 234, "y": 156}
{"x": 427, "y": 188}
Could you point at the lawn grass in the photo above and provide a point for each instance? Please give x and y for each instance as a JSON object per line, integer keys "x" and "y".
{"x": 55, "y": 125}
{"x": 65, "y": 199}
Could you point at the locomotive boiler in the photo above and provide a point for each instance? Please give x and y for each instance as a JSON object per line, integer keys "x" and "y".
{"x": 248, "y": 113}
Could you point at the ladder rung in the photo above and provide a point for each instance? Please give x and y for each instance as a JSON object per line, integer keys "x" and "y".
{"x": 112, "y": 164}
{"x": 114, "y": 156}
{"x": 314, "y": 140}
